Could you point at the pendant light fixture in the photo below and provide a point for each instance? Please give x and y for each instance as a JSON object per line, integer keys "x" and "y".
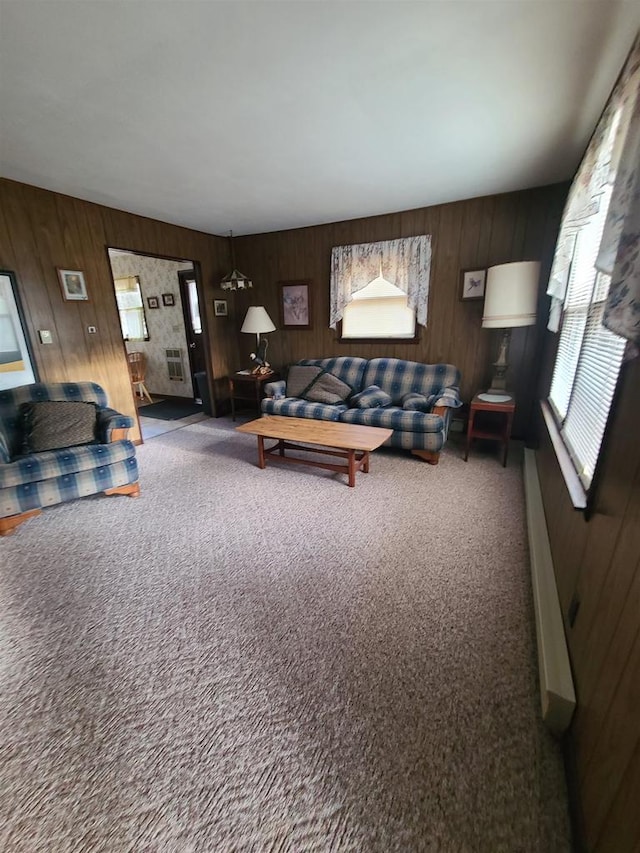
{"x": 235, "y": 280}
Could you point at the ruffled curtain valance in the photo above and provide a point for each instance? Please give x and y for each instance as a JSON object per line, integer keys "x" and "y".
{"x": 613, "y": 156}
{"x": 405, "y": 263}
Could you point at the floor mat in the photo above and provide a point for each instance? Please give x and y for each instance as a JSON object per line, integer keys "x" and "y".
{"x": 169, "y": 410}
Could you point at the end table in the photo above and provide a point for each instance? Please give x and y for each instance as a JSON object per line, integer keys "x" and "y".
{"x": 494, "y": 424}
{"x": 245, "y": 385}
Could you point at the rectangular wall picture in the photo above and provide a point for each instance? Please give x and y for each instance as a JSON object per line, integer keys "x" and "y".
{"x": 220, "y": 307}
{"x": 473, "y": 284}
{"x": 16, "y": 364}
{"x": 295, "y": 304}
{"x": 74, "y": 288}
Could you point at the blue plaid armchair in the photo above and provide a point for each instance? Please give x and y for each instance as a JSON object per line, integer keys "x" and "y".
{"x": 422, "y": 430}
{"x": 29, "y": 482}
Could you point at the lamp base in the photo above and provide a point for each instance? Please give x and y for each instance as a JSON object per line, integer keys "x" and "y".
{"x": 499, "y": 379}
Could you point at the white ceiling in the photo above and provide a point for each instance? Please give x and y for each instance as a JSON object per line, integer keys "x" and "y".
{"x": 256, "y": 116}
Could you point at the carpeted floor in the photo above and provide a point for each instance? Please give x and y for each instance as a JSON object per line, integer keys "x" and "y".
{"x": 247, "y": 660}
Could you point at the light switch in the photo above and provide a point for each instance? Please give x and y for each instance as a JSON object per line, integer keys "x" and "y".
{"x": 45, "y": 336}
{"x": 92, "y": 330}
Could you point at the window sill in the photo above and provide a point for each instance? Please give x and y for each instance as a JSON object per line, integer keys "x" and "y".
{"x": 572, "y": 481}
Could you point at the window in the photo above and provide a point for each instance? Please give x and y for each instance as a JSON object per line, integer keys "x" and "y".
{"x": 131, "y": 309}
{"x": 379, "y": 310}
{"x": 589, "y": 356}
{"x": 380, "y": 290}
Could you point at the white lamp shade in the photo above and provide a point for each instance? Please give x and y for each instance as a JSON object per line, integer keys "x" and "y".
{"x": 257, "y": 321}
{"x": 511, "y": 295}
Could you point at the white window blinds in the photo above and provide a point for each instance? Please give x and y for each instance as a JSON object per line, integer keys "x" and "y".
{"x": 589, "y": 356}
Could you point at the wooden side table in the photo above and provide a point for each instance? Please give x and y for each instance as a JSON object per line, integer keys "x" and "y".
{"x": 245, "y": 385}
{"x": 494, "y": 422}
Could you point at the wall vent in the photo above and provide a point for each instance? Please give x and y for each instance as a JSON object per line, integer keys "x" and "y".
{"x": 174, "y": 365}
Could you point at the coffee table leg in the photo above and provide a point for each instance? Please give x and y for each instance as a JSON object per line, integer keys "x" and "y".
{"x": 281, "y": 447}
{"x": 365, "y": 462}
{"x": 352, "y": 468}
{"x": 261, "y": 462}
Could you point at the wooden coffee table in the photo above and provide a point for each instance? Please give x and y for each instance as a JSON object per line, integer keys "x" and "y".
{"x": 348, "y": 441}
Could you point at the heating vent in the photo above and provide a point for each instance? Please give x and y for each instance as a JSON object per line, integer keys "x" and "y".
{"x": 174, "y": 365}
{"x": 556, "y": 683}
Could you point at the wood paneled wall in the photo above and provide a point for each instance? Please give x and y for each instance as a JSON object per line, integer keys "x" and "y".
{"x": 465, "y": 235}
{"x": 41, "y": 230}
{"x": 598, "y": 562}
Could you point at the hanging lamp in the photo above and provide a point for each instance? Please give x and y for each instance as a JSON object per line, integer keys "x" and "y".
{"x": 235, "y": 280}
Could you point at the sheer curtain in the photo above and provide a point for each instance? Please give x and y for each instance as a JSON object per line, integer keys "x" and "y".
{"x": 619, "y": 254}
{"x": 612, "y": 157}
{"x": 405, "y": 263}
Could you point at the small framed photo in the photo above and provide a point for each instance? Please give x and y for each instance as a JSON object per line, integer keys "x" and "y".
{"x": 168, "y": 299}
{"x": 73, "y": 285}
{"x": 153, "y": 302}
{"x": 473, "y": 284}
{"x": 220, "y": 307}
{"x": 295, "y": 304}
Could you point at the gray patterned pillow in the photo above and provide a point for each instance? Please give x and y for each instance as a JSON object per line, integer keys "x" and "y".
{"x": 415, "y": 402}
{"x": 52, "y": 425}
{"x": 372, "y": 397}
{"x": 299, "y": 378}
{"x": 327, "y": 388}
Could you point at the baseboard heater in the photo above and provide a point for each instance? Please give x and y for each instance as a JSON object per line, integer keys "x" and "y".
{"x": 556, "y": 682}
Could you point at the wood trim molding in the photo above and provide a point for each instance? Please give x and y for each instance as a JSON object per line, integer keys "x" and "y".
{"x": 570, "y": 475}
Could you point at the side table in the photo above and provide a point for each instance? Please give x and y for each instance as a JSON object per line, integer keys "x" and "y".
{"x": 245, "y": 385}
{"x": 494, "y": 422}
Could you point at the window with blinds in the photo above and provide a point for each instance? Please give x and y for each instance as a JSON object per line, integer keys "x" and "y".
{"x": 131, "y": 308}
{"x": 379, "y": 310}
{"x": 589, "y": 356}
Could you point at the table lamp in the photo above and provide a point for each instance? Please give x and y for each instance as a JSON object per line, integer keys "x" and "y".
{"x": 511, "y": 299}
{"x": 257, "y": 322}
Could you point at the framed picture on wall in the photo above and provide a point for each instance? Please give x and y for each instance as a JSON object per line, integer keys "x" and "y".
{"x": 220, "y": 307}
{"x": 295, "y": 304}
{"x": 168, "y": 299}
{"x": 472, "y": 286}
{"x": 153, "y": 302}
{"x": 17, "y": 366}
{"x": 74, "y": 288}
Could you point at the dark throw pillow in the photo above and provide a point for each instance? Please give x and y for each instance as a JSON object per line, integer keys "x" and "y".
{"x": 327, "y": 388}
{"x": 52, "y": 425}
{"x": 372, "y": 397}
{"x": 300, "y": 377}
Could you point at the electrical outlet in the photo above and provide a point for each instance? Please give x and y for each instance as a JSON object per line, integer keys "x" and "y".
{"x": 92, "y": 330}
{"x": 45, "y": 336}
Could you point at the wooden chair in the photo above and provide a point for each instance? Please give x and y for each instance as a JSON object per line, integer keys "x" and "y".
{"x": 138, "y": 368}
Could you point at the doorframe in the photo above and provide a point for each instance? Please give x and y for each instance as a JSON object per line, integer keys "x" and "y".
{"x": 203, "y": 316}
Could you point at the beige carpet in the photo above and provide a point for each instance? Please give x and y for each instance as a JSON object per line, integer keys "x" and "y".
{"x": 249, "y": 660}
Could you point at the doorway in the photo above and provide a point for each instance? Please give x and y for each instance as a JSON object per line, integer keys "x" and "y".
{"x": 163, "y": 335}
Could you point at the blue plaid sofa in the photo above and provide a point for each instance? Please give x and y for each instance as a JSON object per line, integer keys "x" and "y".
{"x": 30, "y": 482}
{"x": 424, "y": 433}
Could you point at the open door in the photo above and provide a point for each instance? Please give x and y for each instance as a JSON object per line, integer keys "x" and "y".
{"x": 195, "y": 337}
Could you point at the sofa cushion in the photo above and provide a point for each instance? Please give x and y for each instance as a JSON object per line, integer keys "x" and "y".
{"x": 300, "y": 377}
{"x": 399, "y": 377}
{"x": 302, "y": 409}
{"x": 50, "y": 425}
{"x": 393, "y": 417}
{"x": 371, "y": 398}
{"x": 417, "y": 402}
{"x": 327, "y": 388}
{"x": 55, "y": 463}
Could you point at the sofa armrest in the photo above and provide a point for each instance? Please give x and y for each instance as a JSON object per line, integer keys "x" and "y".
{"x": 276, "y": 389}
{"x": 448, "y": 397}
{"x": 110, "y": 420}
